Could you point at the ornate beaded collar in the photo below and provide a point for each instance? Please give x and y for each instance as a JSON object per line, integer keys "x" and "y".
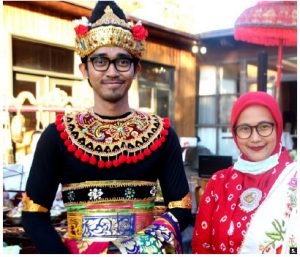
{"x": 107, "y": 142}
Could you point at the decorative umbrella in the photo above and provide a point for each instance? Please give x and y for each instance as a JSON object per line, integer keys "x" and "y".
{"x": 270, "y": 23}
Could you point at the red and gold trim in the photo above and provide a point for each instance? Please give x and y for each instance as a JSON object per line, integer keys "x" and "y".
{"x": 110, "y": 143}
{"x": 185, "y": 202}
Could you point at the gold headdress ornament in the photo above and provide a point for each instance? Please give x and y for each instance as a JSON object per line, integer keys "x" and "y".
{"x": 109, "y": 30}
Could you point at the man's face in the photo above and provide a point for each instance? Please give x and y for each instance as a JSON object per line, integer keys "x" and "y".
{"x": 110, "y": 85}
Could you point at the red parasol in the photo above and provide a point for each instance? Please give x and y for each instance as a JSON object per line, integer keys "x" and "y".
{"x": 270, "y": 23}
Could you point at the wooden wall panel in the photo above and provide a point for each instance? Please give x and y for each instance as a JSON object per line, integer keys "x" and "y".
{"x": 38, "y": 26}
{"x": 186, "y": 89}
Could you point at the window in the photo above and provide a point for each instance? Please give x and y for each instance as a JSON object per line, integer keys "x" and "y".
{"x": 39, "y": 56}
{"x": 218, "y": 90}
{"x": 22, "y": 84}
{"x": 252, "y": 78}
{"x": 155, "y": 89}
{"x": 39, "y": 69}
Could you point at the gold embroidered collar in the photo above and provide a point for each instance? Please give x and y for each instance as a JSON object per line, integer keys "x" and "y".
{"x": 112, "y": 142}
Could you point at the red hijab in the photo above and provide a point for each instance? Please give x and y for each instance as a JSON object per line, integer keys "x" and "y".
{"x": 257, "y": 98}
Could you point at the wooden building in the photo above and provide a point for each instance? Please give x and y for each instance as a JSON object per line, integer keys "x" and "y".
{"x": 38, "y": 57}
{"x": 195, "y": 90}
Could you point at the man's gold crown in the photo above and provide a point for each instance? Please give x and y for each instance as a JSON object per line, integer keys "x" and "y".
{"x": 109, "y": 30}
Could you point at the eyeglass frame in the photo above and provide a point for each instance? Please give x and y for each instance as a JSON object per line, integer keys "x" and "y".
{"x": 113, "y": 61}
{"x": 256, "y": 128}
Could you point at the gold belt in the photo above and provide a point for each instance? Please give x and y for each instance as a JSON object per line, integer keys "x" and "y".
{"x": 102, "y": 224}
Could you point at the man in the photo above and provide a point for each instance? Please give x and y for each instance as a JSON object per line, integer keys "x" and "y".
{"x": 108, "y": 158}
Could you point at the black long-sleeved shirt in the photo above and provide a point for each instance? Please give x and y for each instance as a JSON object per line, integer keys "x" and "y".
{"x": 53, "y": 164}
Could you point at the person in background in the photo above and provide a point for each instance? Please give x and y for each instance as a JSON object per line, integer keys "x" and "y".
{"x": 251, "y": 206}
{"x": 108, "y": 158}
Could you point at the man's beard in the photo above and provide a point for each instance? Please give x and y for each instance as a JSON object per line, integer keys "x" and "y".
{"x": 114, "y": 96}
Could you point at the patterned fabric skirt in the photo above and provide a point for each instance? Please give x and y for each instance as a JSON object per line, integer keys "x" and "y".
{"x": 102, "y": 211}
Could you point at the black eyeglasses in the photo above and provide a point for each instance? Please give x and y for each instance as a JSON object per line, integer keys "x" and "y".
{"x": 121, "y": 64}
{"x": 264, "y": 129}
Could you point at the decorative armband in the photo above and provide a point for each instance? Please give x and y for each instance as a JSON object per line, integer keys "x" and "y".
{"x": 185, "y": 202}
{"x": 30, "y": 206}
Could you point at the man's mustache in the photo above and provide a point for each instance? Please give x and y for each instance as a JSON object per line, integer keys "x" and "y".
{"x": 109, "y": 81}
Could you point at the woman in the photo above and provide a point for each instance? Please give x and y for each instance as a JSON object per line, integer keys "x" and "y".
{"x": 250, "y": 207}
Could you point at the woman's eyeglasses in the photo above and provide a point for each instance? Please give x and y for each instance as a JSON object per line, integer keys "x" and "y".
{"x": 264, "y": 129}
{"x": 121, "y": 64}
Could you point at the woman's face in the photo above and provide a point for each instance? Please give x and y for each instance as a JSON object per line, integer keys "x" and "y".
{"x": 256, "y": 147}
